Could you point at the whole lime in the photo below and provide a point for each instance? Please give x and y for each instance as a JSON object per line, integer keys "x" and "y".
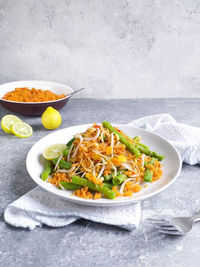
{"x": 51, "y": 118}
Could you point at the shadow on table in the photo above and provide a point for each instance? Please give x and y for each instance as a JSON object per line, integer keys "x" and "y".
{"x": 37, "y": 126}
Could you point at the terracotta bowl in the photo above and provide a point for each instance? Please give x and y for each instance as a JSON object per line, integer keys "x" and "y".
{"x": 33, "y": 108}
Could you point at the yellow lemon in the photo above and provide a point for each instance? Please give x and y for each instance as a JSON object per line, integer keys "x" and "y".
{"x": 7, "y": 121}
{"x": 51, "y": 118}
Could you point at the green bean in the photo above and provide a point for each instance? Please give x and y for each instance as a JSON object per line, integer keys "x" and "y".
{"x": 66, "y": 151}
{"x": 148, "y": 175}
{"x": 119, "y": 179}
{"x": 62, "y": 164}
{"x": 46, "y": 171}
{"x": 145, "y": 150}
{"x": 111, "y": 176}
{"x": 151, "y": 162}
{"x": 103, "y": 189}
{"x": 156, "y": 155}
{"x": 144, "y": 146}
{"x": 122, "y": 139}
{"x": 70, "y": 186}
{"x": 71, "y": 141}
{"x": 108, "y": 177}
{"x": 110, "y": 186}
{"x": 119, "y": 172}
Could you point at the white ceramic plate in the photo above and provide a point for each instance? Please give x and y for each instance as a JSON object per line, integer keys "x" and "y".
{"x": 171, "y": 165}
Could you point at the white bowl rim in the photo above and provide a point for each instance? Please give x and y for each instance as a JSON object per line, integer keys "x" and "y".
{"x": 115, "y": 202}
{"x": 38, "y": 81}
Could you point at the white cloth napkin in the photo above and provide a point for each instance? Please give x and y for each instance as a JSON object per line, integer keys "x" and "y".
{"x": 38, "y": 207}
{"x": 184, "y": 137}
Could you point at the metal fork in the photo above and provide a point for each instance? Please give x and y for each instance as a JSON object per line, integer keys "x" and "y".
{"x": 175, "y": 225}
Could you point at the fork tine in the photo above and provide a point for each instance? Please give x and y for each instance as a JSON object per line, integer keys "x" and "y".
{"x": 166, "y": 227}
{"x": 170, "y": 232}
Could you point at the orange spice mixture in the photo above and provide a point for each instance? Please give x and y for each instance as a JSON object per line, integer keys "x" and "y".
{"x": 56, "y": 178}
{"x": 85, "y": 193}
{"x": 131, "y": 188}
{"x": 25, "y": 94}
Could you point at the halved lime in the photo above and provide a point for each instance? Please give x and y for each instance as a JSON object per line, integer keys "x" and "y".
{"x": 7, "y": 121}
{"x": 54, "y": 151}
{"x": 22, "y": 129}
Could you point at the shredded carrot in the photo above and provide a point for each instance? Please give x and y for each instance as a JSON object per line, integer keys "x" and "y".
{"x": 25, "y": 94}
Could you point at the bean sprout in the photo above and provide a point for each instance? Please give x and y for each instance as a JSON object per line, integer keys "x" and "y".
{"x": 122, "y": 186}
{"x": 77, "y": 148}
{"x": 57, "y": 163}
{"x": 70, "y": 150}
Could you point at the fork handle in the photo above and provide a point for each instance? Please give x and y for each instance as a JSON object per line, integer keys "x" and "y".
{"x": 196, "y": 216}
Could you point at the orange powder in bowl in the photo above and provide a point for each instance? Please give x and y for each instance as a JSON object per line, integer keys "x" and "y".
{"x": 25, "y": 94}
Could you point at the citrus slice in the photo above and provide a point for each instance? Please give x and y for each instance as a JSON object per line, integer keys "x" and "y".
{"x": 22, "y": 129}
{"x": 7, "y": 121}
{"x": 54, "y": 151}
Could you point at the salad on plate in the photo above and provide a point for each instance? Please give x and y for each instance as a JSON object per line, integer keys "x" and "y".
{"x": 102, "y": 162}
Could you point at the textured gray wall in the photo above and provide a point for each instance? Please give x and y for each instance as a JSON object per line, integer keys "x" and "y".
{"x": 115, "y": 48}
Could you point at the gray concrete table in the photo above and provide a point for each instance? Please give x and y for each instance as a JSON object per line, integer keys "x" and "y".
{"x": 85, "y": 243}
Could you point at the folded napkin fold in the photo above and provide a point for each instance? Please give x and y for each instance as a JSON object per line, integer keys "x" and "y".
{"x": 38, "y": 207}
